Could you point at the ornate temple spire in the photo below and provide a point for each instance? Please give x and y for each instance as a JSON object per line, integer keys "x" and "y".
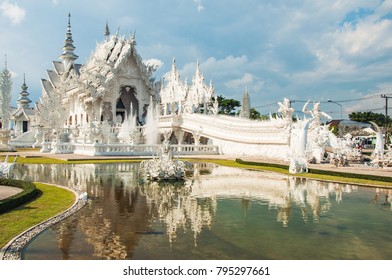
{"x": 23, "y": 100}
{"x": 174, "y": 91}
{"x": 5, "y": 94}
{"x": 245, "y": 105}
{"x": 106, "y": 31}
{"x": 68, "y": 55}
{"x": 199, "y": 93}
{"x": 132, "y": 39}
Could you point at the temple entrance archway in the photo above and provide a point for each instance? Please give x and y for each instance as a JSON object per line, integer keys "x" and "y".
{"x": 127, "y": 102}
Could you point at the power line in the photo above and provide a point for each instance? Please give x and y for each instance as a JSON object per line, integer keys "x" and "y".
{"x": 338, "y": 101}
{"x": 357, "y": 99}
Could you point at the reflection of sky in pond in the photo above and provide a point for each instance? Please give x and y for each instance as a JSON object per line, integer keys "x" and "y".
{"x": 218, "y": 213}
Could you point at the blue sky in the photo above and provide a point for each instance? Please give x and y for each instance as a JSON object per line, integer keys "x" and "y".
{"x": 327, "y": 49}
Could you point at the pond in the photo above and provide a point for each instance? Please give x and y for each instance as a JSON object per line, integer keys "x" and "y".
{"x": 217, "y": 213}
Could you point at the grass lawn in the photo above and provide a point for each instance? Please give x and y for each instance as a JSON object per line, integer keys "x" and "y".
{"x": 50, "y": 202}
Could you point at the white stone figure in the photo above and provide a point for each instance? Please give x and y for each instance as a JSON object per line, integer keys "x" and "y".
{"x": 164, "y": 167}
{"x": 379, "y": 147}
{"x": 7, "y": 168}
{"x": 215, "y": 109}
{"x": 38, "y": 136}
{"x": 286, "y": 111}
{"x": 378, "y": 153}
{"x": 4, "y": 139}
{"x": 298, "y": 161}
{"x": 315, "y": 113}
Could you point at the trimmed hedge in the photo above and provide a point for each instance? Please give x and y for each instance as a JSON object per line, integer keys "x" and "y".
{"x": 322, "y": 172}
{"x": 277, "y": 165}
{"x": 29, "y": 192}
{"x": 351, "y": 175}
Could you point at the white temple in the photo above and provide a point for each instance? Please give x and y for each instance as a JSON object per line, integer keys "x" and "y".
{"x": 112, "y": 105}
{"x": 113, "y": 84}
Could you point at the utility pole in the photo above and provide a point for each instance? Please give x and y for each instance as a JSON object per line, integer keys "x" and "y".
{"x": 386, "y": 96}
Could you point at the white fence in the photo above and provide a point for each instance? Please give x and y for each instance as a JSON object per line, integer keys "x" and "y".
{"x": 131, "y": 150}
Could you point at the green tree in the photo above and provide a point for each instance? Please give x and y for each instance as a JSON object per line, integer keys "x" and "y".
{"x": 365, "y": 117}
{"x": 227, "y": 106}
{"x": 254, "y": 114}
{"x": 267, "y": 117}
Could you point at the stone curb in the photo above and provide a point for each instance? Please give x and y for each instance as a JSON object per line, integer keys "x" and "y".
{"x": 13, "y": 249}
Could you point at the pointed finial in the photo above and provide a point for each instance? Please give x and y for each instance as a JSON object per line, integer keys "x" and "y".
{"x": 5, "y": 61}
{"x": 68, "y": 56}
{"x": 106, "y": 30}
{"x": 24, "y": 86}
{"x": 132, "y": 38}
{"x": 24, "y": 100}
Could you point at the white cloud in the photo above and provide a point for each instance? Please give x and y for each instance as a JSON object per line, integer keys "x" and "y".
{"x": 365, "y": 38}
{"x": 156, "y": 63}
{"x": 55, "y": 2}
{"x": 229, "y": 64}
{"x": 240, "y": 83}
{"x": 13, "y": 12}
{"x": 199, "y": 5}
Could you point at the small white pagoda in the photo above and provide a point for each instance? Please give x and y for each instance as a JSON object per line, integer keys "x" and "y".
{"x": 24, "y": 116}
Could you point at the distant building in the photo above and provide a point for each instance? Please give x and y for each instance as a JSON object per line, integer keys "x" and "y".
{"x": 245, "y": 105}
{"x": 23, "y": 117}
{"x": 5, "y": 96}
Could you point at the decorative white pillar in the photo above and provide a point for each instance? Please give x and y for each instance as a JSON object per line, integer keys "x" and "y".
{"x": 38, "y": 137}
{"x": 196, "y": 137}
{"x": 179, "y": 134}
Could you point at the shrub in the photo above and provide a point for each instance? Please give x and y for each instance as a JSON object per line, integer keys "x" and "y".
{"x": 29, "y": 192}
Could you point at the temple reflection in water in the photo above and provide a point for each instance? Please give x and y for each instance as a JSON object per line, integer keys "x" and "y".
{"x": 123, "y": 209}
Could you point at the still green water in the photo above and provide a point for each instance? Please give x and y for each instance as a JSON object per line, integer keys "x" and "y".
{"x": 217, "y": 213}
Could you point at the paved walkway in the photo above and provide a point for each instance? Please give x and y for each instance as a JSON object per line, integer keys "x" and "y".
{"x": 6, "y": 191}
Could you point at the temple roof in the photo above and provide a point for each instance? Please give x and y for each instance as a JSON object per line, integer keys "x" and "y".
{"x": 114, "y": 57}
{"x": 24, "y": 100}
{"x": 23, "y": 113}
{"x": 109, "y": 56}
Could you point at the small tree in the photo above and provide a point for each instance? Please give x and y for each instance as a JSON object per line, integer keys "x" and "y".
{"x": 254, "y": 114}
{"x": 227, "y": 106}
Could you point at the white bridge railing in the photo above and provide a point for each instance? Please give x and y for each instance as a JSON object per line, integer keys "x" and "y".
{"x": 139, "y": 150}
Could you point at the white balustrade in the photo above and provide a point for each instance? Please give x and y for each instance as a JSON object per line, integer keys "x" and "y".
{"x": 140, "y": 150}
